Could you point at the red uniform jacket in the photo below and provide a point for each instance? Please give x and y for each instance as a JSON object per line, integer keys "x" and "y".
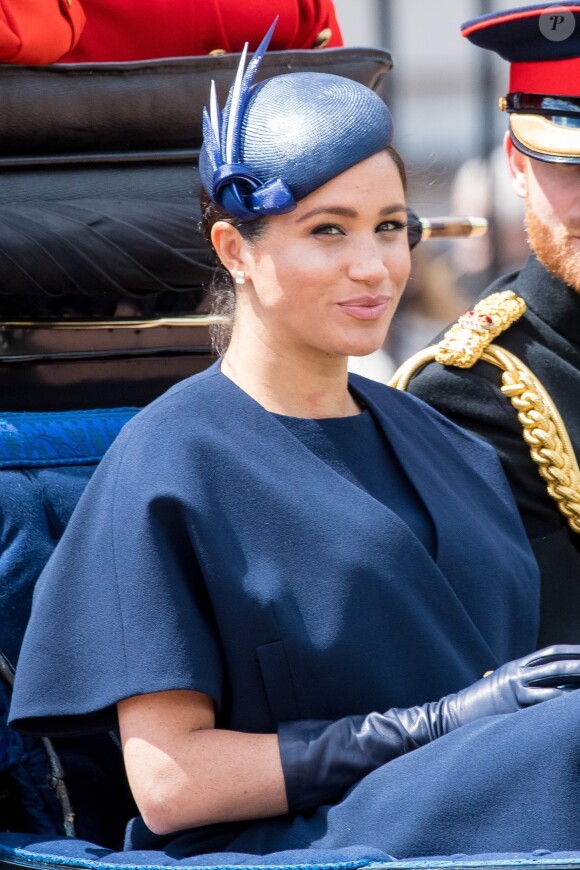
{"x": 118, "y": 30}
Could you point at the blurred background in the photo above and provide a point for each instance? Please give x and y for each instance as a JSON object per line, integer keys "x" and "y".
{"x": 443, "y": 93}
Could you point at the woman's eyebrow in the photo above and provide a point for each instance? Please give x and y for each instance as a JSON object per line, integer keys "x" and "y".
{"x": 343, "y": 211}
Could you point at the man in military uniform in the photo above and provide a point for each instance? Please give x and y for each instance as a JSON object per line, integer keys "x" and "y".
{"x": 510, "y": 370}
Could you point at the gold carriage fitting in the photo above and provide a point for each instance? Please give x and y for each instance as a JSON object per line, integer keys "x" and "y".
{"x": 471, "y": 339}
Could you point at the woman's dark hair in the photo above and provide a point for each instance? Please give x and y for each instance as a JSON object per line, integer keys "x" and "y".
{"x": 223, "y": 295}
{"x": 400, "y": 164}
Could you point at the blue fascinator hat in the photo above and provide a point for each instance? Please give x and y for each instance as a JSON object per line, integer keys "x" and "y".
{"x": 283, "y": 138}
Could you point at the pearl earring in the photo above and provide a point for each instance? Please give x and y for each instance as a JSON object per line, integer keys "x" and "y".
{"x": 240, "y": 277}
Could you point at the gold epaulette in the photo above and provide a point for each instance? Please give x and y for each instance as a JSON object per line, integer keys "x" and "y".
{"x": 463, "y": 344}
{"x": 469, "y": 340}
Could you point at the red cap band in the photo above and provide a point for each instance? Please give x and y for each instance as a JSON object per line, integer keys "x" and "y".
{"x": 560, "y": 78}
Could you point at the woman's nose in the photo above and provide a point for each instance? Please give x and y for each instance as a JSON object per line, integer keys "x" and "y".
{"x": 367, "y": 263}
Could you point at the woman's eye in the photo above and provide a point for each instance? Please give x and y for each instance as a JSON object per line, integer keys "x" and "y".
{"x": 391, "y": 226}
{"x": 327, "y": 230}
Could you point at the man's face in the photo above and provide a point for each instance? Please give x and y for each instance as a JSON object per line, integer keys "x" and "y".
{"x": 552, "y": 194}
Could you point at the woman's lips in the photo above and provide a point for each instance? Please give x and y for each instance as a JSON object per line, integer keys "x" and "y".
{"x": 365, "y": 307}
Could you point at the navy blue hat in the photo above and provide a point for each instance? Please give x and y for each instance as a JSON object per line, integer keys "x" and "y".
{"x": 283, "y": 138}
{"x": 542, "y": 44}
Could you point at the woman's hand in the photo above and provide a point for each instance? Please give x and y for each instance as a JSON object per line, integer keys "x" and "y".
{"x": 184, "y": 772}
{"x": 537, "y": 677}
{"x": 321, "y": 760}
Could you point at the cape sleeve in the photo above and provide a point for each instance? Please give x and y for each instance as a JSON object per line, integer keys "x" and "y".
{"x": 120, "y": 608}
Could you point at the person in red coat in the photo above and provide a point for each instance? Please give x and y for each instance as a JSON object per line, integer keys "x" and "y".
{"x": 125, "y": 30}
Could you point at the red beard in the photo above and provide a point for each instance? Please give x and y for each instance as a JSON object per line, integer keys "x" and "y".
{"x": 555, "y": 248}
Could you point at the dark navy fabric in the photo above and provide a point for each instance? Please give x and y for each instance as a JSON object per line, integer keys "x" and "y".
{"x": 24, "y": 771}
{"x": 517, "y": 37}
{"x": 35, "y": 506}
{"x": 228, "y": 520}
{"x": 46, "y": 460}
{"x": 12, "y": 750}
{"x": 357, "y": 448}
{"x": 208, "y": 516}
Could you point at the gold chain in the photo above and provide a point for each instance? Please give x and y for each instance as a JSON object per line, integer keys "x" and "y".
{"x": 543, "y": 428}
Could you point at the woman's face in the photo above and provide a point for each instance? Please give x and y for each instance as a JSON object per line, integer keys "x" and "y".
{"x": 326, "y": 278}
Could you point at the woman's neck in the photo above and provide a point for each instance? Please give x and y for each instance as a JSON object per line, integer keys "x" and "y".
{"x": 290, "y": 384}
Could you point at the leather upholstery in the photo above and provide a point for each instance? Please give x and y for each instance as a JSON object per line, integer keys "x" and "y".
{"x": 99, "y": 186}
{"x": 148, "y": 109}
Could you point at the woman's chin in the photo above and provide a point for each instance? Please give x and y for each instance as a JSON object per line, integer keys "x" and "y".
{"x": 363, "y": 347}
{"x": 353, "y": 342}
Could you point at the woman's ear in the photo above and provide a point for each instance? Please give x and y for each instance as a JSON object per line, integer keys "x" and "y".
{"x": 229, "y": 246}
{"x": 517, "y": 167}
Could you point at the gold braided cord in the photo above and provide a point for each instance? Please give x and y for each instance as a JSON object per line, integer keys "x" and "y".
{"x": 543, "y": 428}
{"x": 400, "y": 379}
{"x": 464, "y": 342}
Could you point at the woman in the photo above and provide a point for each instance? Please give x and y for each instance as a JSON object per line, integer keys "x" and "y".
{"x": 271, "y": 552}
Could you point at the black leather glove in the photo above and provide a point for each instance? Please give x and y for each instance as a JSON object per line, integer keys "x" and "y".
{"x": 321, "y": 760}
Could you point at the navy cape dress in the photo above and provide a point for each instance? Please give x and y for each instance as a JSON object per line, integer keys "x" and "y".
{"x": 213, "y": 551}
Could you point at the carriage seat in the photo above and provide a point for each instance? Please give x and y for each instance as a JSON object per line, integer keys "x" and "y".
{"x": 46, "y": 460}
